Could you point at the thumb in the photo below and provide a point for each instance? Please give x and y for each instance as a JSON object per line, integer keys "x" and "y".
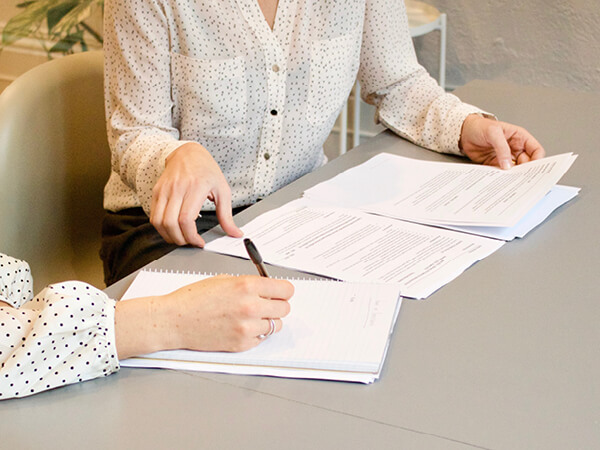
{"x": 500, "y": 145}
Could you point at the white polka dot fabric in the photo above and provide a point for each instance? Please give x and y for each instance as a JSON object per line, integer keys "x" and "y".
{"x": 15, "y": 281}
{"x": 64, "y": 335}
{"x": 261, "y": 101}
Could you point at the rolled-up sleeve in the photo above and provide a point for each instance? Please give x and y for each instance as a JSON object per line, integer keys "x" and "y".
{"x": 138, "y": 93}
{"x": 64, "y": 335}
{"x": 408, "y": 100}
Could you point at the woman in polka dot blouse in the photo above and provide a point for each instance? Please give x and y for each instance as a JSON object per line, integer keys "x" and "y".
{"x": 216, "y": 104}
{"x": 72, "y": 332}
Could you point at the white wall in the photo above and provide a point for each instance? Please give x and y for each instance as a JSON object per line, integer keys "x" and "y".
{"x": 542, "y": 42}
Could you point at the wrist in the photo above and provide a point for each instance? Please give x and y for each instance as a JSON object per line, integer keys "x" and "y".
{"x": 143, "y": 325}
{"x": 469, "y": 120}
{"x": 183, "y": 150}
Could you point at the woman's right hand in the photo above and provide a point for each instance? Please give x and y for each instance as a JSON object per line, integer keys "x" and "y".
{"x": 190, "y": 177}
{"x": 223, "y": 313}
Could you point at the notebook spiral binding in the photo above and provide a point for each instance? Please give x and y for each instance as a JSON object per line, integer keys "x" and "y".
{"x": 214, "y": 274}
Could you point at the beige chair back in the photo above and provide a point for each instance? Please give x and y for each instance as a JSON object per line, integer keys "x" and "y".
{"x": 54, "y": 162}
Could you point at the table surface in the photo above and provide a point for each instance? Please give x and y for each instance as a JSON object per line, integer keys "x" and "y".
{"x": 505, "y": 356}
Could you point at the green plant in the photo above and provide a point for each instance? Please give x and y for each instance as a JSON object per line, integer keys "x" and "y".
{"x": 61, "y": 22}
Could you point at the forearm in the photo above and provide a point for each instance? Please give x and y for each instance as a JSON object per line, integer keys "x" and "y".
{"x": 144, "y": 325}
{"x": 422, "y": 113}
{"x": 408, "y": 100}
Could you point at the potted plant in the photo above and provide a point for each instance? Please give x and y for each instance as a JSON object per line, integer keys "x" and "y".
{"x": 63, "y": 23}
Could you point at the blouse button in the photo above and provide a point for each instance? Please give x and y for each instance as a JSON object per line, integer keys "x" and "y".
{"x": 275, "y": 68}
{"x": 273, "y": 112}
{"x": 267, "y": 156}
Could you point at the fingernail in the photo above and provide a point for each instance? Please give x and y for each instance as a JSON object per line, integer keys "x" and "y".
{"x": 505, "y": 165}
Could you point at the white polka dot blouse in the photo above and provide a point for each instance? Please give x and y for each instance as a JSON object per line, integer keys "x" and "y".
{"x": 261, "y": 100}
{"x": 64, "y": 335}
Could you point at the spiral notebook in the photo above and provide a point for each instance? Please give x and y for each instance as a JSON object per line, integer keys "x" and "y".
{"x": 335, "y": 331}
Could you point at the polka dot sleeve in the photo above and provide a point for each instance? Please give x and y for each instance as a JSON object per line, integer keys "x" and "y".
{"x": 138, "y": 97}
{"x": 15, "y": 281}
{"x": 62, "y": 336}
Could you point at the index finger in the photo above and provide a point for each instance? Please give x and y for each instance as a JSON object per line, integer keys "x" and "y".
{"x": 192, "y": 204}
{"x": 274, "y": 289}
{"x": 222, "y": 200}
{"x": 534, "y": 149}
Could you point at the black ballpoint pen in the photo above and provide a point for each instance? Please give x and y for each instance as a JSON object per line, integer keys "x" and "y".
{"x": 255, "y": 257}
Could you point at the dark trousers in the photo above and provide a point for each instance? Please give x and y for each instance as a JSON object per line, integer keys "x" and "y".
{"x": 129, "y": 241}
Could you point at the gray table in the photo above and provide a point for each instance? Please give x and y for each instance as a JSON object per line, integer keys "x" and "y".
{"x": 505, "y": 356}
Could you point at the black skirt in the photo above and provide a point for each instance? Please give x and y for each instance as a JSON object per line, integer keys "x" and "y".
{"x": 129, "y": 241}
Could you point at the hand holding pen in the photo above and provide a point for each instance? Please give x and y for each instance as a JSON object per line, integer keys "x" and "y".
{"x": 255, "y": 257}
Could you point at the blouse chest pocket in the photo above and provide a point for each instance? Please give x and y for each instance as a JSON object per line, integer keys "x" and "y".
{"x": 333, "y": 68}
{"x": 210, "y": 95}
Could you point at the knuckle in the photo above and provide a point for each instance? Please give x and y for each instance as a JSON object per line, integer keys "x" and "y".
{"x": 241, "y": 330}
{"x": 199, "y": 184}
{"x": 248, "y": 309}
{"x": 169, "y": 224}
{"x": 184, "y": 218}
{"x": 246, "y": 285}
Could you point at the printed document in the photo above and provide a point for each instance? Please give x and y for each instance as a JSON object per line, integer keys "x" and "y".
{"x": 443, "y": 193}
{"x": 352, "y": 245}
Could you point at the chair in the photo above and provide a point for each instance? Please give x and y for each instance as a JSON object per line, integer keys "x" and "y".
{"x": 422, "y": 19}
{"x": 54, "y": 162}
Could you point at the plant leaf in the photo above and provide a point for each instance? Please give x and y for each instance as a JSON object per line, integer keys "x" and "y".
{"x": 56, "y": 14}
{"x": 92, "y": 32}
{"x": 25, "y": 4}
{"x": 66, "y": 44}
{"x": 27, "y": 22}
{"x": 76, "y": 15}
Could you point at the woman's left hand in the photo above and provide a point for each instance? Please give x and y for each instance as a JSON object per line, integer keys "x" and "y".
{"x": 495, "y": 143}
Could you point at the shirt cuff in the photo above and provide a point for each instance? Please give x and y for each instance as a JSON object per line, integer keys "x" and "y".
{"x": 435, "y": 124}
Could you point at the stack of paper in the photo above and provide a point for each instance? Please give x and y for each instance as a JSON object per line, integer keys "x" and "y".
{"x": 347, "y": 228}
{"x": 335, "y": 331}
{"x": 466, "y": 197}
